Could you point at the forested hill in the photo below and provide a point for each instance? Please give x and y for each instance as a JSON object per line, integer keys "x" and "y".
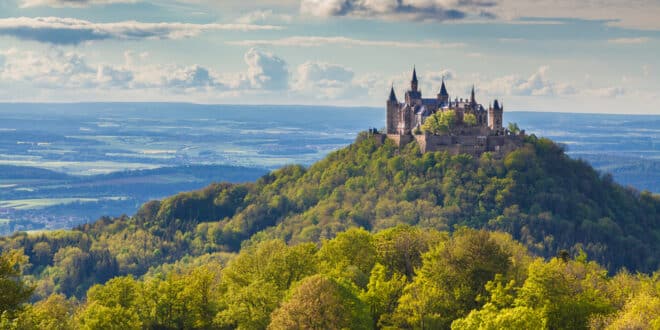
{"x": 539, "y": 195}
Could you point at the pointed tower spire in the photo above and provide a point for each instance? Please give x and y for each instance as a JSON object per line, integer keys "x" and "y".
{"x": 473, "y": 100}
{"x": 443, "y": 88}
{"x": 414, "y": 83}
{"x": 392, "y": 95}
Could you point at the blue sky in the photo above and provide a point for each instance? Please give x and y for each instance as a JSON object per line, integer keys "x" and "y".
{"x": 554, "y": 55}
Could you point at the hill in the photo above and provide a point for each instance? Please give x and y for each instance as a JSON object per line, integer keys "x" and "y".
{"x": 539, "y": 195}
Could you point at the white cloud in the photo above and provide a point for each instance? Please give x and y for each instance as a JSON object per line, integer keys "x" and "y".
{"x": 629, "y": 41}
{"x": 266, "y": 71}
{"x": 536, "y": 84}
{"x": 316, "y": 41}
{"x": 71, "y": 31}
{"x": 69, "y": 3}
{"x": 263, "y": 16}
{"x": 59, "y": 70}
{"x": 324, "y": 80}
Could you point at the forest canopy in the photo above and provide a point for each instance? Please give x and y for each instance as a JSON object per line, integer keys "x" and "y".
{"x": 413, "y": 211}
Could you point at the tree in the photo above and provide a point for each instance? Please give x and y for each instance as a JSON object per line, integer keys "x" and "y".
{"x": 257, "y": 279}
{"x": 382, "y": 295}
{"x": 116, "y": 305}
{"x": 320, "y": 302}
{"x": 568, "y": 293}
{"x": 470, "y": 119}
{"x": 452, "y": 277}
{"x": 13, "y": 290}
{"x": 401, "y": 248}
{"x": 441, "y": 122}
{"x": 351, "y": 255}
{"x": 513, "y": 128}
{"x": 500, "y": 313}
{"x": 52, "y": 313}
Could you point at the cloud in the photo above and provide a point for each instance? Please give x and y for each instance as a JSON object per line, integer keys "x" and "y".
{"x": 263, "y": 16}
{"x": 606, "y": 92}
{"x": 266, "y": 71}
{"x": 71, "y": 31}
{"x": 69, "y": 3}
{"x": 536, "y": 84}
{"x": 635, "y": 14}
{"x": 315, "y": 41}
{"x": 425, "y": 10}
{"x": 56, "y": 69}
{"x": 629, "y": 41}
{"x": 324, "y": 80}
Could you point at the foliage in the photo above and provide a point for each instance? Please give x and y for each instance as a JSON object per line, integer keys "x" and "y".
{"x": 441, "y": 122}
{"x": 470, "y": 119}
{"x": 13, "y": 290}
{"x": 320, "y": 302}
{"x": 469, "y": 279}
{"x": 387, "y": 224}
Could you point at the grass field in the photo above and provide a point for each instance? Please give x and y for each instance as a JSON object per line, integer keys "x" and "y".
{"x": 35, "y": 204}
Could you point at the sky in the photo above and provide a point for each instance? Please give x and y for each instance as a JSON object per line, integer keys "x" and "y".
{"x": 534, "y": 55}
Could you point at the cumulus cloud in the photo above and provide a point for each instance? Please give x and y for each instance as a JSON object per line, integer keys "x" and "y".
{"x": 69, "y": 3}
{"x": 425, "y": 10}
{"x": 266, "y": 71}
{"x": 536, "y": 84}
{"x": 316, "y": 41}
{"x": 324, "y": 80}
{"x": 71, "y": 31}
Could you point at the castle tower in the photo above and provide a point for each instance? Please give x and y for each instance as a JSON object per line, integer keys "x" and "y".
{"x": 392, "y": 113}
{"x": 414, "y": 95}
{"x": 495, "y": 114}
{"x": 443, "y": 96}
{"x": 414, "y": 84}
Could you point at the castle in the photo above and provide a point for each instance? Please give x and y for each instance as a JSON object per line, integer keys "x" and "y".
{"x": 474, "y": 129}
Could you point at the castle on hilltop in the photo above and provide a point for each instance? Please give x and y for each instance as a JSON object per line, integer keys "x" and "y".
{"x": 474, "y": 129}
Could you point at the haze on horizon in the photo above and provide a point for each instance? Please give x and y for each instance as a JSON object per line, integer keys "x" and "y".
{"x": 596, "y": 56}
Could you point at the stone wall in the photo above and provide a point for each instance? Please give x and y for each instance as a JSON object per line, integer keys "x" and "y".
{"x": 461, "y": 144}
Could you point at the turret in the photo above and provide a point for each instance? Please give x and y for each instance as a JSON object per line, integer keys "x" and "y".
{"x": 414, "y": 95}
{"x": 495, "y": 114}
{"x": 473, "y": 100}
{"x": 443, "y": 96}
{"x": 392, "y": 113}
{"x": 392, "y": 96}
{"x": 414, "y": 84}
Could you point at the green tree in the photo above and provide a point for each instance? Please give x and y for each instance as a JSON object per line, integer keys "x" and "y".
{"x": 513, "y": 128}
{"x": 500, "y": 313}
{"x": 116, "y": 305}
{"x": 568, "y": 293}
{"x": 401, "y": 248}
{"x": 452, "y": 277}
{"x": 52, "y": 313}
{"x": 320, "y": 302}
{"x": 257, "y": 279}
{"x": 470, "y": 119}
{"x": 14, "y": 292}
{"x": 441, "y": 122}
{"x": 351, "y": 256}
{"x": 382, "y": 295}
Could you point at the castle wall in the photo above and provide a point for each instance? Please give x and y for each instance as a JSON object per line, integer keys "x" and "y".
{"x": 400, "y": 140}
{"x": 474, "y": 145}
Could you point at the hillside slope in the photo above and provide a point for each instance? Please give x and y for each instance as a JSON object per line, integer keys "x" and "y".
{"x": 542, "y": 197}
